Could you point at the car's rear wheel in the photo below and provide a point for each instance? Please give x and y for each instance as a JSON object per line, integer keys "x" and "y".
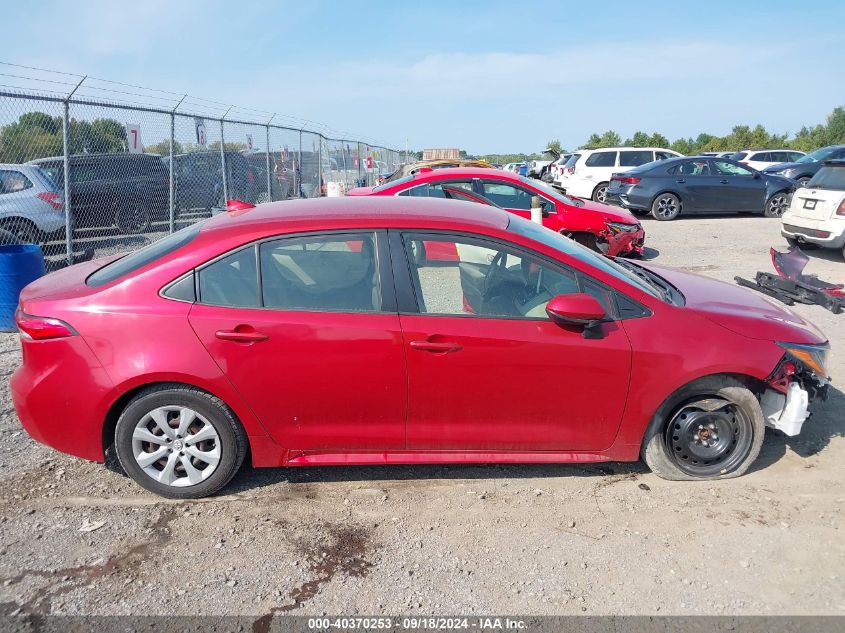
{"x": 666, "y": 206}
{"x": 20, "y": 231}
{"x": 777, "y": 205}
{"x": 130, "y": 217}
{"x": 179, "y": 442}
{"x": 600, "y": 193}
{"x": 712, "y": 428}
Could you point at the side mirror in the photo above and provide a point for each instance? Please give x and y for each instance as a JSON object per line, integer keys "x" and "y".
{"x": 756, "y": 174}
{"x": 579, "y": 309}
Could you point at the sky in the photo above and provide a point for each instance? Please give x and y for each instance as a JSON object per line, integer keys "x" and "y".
{"x": 484, "y": 76}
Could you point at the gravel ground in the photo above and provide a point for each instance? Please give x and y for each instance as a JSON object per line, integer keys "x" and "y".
{"x": 76, "y": 538}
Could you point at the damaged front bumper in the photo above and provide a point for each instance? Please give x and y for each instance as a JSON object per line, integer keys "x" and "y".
{"x": 786, "y": 403}
{"x": 624, "y": 241}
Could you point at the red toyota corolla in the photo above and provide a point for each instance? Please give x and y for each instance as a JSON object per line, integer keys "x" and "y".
{"x": 309, "y": 332}
{"x": 601, "y": 227}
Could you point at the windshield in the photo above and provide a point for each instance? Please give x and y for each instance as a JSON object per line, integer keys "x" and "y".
{"x": 818, "y": 155}
{"x": 555, "y": 240}
{"x": 829, "y": 178}
{"x": 549, "y": 191}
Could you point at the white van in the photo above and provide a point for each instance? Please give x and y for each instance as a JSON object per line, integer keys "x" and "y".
{"x": 593, "y": 169}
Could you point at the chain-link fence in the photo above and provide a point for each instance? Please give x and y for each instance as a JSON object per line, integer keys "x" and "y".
{"x": 143, "y": 163}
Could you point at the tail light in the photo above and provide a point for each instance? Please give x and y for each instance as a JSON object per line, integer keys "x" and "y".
{"x": 841, "y": 209}
{"x": 743, "y": 162}
{"x": 53, "y": 198}
{"x": 627, "y": 180}
{"x": 571, "y": 170}
{"x": 42, "y": 328}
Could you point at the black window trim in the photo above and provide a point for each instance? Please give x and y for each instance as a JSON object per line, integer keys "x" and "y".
{"x": 386, "y": 288}
{"x": 408, "y": 304}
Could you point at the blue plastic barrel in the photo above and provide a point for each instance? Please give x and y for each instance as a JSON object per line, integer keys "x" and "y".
{"x": 20, "y": 264}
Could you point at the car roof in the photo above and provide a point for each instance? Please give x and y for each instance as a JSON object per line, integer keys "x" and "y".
{"x": 463, "y": 172}
{"x": 361, "y": 211}
{"x": 623, "y": 149}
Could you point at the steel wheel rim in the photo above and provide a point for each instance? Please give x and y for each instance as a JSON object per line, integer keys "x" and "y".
{"x": 667, "y": 207}
{"x": 708, "y": 437}
{"x": 778, "y": 205}
{"x": 176, "y": 446}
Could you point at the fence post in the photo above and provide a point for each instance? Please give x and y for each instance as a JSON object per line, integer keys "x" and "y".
{"x": 299, "y": 168}
{"x": 66, "y": 167}
{"x": 171, "y": 187}
{"x": 269, "y": 180}
{"x": 319, "y": 166}
{"x": 223, "y": 162}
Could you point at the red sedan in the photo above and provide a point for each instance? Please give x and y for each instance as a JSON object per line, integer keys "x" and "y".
{"x": 308, "y": 332}
{"x": 604, "y": 228}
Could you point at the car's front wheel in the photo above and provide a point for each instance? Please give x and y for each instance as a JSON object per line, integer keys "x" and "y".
{"x": 802, "y": 182}
{"x": 712, "y": 428}
{"x": 179, "y": 442}
{"x": 777, "y": 205}
{"x": 666, "y": 206}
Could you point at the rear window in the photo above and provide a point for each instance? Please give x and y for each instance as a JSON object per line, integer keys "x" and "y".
{"x": 140, "y": 258}
{"x": 601, "y": 159}
{"x": 635, "y": 158}
{"x": 829, "y": 177}
{"x": 392, "y": 183}
{"x": 570, "y": 162}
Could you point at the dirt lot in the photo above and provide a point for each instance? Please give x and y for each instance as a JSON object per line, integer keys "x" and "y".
{"x": 76, "y": 538}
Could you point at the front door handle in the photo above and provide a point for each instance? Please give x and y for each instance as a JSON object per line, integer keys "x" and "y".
{"x": 680, "y": 181}
{"x": 724, "y": 181}
{"x": 436, "y": 346}
{"x": 240, "y": 335}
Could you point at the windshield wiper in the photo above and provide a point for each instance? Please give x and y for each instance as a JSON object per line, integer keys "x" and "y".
{"x": 662, "y": 287}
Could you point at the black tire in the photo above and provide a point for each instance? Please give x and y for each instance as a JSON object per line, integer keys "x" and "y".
{"x": 131, "y": 217}
{"x": 231, "y": 435}
{"x": 600, "y": 193}
{"x": 667, "y": 206}
{"x": 777, "y": 204}
{"x": 803, "y": 180}
{"x": 20, "y": 231}
{"x": 677, "y": 445}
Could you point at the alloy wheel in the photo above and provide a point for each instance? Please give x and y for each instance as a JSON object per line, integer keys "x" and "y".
{"x": 601, "y": 194}
{"x": 709, "y": 436}
{"x": 778, "y": 204}
{"x": 176, "y": 446}
{"x": 666, "y": 207}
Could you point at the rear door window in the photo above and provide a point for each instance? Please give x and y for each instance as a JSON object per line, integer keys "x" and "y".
{"x": 601, "y": 159}
{"x": 334, "y": 273}
{"x": 763, "y": 157}
{"x": 635, "y": 158}
{"x": 231, "y": 281}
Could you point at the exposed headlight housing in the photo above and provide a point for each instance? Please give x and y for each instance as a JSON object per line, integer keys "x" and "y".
{"x": 618, "y": 227}
{"x": 813, "y": 357}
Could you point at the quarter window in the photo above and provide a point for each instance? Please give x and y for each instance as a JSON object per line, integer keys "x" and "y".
{"x": 13, "y": 181}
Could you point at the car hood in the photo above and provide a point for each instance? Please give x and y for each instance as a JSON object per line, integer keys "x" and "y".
{"x": 360, "y": 191}
{"x": 611, "y": 213}
{"x": 774, "y": 169}
{"x": 740, "y": 310}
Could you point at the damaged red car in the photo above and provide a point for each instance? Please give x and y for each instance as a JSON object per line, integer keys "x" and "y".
{"x": 311, "y": 332}
{"x": 606, "y": 229}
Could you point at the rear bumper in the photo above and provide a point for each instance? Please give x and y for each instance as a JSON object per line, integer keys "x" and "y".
{"x": 823, "y": 233}
{"x": 60, "y": 395}
{"x": 626, "y": 199}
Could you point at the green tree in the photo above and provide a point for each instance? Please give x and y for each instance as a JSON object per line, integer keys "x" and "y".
{"x": 163, "y": 148}
{"x": 554, "y": 146}
{"x": 639, "y": 139}
{"x": 36, "y": 135}
{"x": 658, "y": 140}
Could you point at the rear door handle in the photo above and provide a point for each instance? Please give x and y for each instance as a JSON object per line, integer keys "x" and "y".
{"x": 680, "y": 181}
{"x": 250, "y": 336}
{"x": 436, "y": 346}
{"x": 724, "y": 181}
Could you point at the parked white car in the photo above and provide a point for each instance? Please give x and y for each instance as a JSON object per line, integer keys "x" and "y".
{"x": 816, "y": 214}
{"x": 31, "y": 206}
{"x": 760, "y": 159}
{"x": 592, "y": 171}
{"x": 514, "y": 167}
{"x": 566, "y": 169}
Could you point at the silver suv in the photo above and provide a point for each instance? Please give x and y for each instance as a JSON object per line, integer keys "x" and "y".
{"x": 31, "y": 206}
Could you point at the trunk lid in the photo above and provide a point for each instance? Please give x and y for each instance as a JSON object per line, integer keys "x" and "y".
{"x": 816, "y": 204}
{"x": 65, "y": 282}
